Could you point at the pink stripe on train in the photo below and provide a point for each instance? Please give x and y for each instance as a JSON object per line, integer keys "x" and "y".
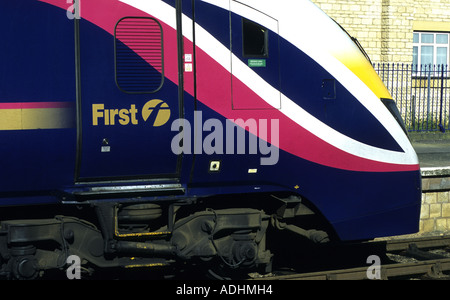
{"x": 35, "y": 105}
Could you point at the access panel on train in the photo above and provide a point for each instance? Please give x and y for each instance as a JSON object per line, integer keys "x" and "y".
{"x": 128, "y": 92}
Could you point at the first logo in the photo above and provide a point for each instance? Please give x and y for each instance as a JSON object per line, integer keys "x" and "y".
{"x": 155, "y": 112}
{"x": 159, "y": 110}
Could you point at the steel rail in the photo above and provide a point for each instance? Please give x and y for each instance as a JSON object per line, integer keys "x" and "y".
{"x": 393, "y": 245}
{"x": 434, "y": 268}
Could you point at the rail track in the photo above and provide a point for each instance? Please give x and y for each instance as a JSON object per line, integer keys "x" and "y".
{"x": 418, "y": 258}
{"x": 424, "y": 258}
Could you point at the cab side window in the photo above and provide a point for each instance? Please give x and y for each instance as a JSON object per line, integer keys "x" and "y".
{"x": 255, "y": 40}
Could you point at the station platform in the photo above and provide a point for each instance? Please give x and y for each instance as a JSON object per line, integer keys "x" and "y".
{"x": 433, "y": 150}
{"x": 434, "y": 155}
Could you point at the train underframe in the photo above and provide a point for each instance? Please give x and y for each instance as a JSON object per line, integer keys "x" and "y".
{"x": 205, "y": 233}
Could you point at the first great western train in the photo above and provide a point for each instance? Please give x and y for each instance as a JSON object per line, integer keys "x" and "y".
{"x": 166, "y": 133}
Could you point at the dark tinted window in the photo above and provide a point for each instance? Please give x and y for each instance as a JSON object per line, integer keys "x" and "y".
{"x": 255, "y": 39}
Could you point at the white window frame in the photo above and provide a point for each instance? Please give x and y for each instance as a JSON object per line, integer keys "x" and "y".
{"x": 417, "y": 44}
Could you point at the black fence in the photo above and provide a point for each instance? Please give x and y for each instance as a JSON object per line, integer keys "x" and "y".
{"x": 422, "y": 94}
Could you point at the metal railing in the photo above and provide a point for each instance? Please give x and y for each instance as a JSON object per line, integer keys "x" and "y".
{"x": 422, "y": 94}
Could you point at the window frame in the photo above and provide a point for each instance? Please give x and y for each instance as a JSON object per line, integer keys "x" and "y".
{"x": 266, "y": 40}
{"x": 418, "y": 66}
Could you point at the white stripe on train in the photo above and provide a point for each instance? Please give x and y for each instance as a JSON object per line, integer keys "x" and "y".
{"x": 296, "y": 26}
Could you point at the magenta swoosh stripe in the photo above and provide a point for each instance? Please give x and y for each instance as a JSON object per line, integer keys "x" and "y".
{"x": 31, "y": 105}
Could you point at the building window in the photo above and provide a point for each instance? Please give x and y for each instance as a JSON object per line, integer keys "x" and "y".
{"x": 430, "y": 49}
{"x": 139, "y": 55}
{"x": 255, "y": 40}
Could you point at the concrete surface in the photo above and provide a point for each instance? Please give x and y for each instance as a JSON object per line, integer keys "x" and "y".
{"x": 433, "y": 154}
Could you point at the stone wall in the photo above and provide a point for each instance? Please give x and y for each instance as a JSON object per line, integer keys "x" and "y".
{"x": 385, "y": 27}
{"x": 435, "y": 210}
{"x": 432, "y": 11}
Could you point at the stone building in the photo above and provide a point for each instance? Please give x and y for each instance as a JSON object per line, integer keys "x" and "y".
{"x": 400, "y": 31}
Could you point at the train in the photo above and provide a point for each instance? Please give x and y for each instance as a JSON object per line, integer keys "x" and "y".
{"x": 164, "y": 133}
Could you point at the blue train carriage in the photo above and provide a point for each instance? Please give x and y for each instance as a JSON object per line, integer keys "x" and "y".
{"x": 142, "y": 133}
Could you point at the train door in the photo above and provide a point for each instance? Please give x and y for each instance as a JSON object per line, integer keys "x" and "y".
{"x": 255, "y": 58}
{"x": 128, "y": 92}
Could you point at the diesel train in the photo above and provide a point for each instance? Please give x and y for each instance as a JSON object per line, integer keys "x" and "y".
{"x": 160, "y": 133}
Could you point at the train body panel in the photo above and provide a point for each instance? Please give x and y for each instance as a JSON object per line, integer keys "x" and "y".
{"x": 37, "y": 109}
{"x": 166, "y": 101}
